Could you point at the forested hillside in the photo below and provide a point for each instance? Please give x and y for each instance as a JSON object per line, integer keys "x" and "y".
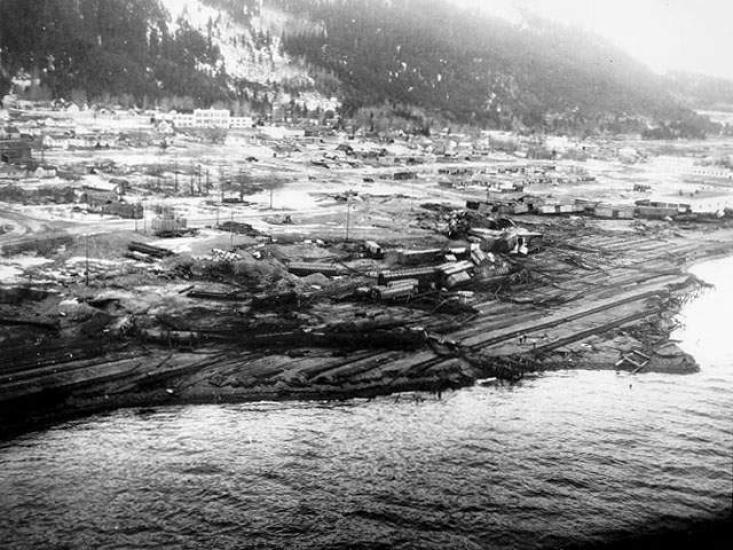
{"x": 420, "y": 59}
{"x": 430, "y": 53}
{"x": 106, "y": 46}
{"x": 702, "y": 92}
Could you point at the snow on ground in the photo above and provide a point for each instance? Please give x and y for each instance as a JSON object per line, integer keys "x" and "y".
{"x": 97, "y": 181}
{"x": 196, "y": 245}
{"x": 665, "y": 175}
{"x": 242, "y": 55}
{"x": 28, "y": 261}
{"x": 254, "y": 64}
{"x": 99, "y": 261}
{"x": 12, "y": 268}
{"x": 280, "y": 132}
{"x": 297, "y": 197}
{"x": 721, "y": 117}
{"x": 131, "y": 157}
{"x": 9, "y": 273}
{"x": 89, "y": 123}
{"x": 59, "y": 212}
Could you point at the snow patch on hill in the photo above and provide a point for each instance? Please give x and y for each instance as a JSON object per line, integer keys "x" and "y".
{"x": 251, "y": 52}
{"x": 243, "y": 54}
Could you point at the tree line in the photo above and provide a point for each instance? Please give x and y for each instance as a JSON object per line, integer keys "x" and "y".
{"x": 107, "y": 46}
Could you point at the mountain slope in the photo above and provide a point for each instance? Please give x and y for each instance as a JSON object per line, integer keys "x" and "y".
{"x": 98, "y": 47}
{"x": 429, "y": 53}
{"x": 700, "y": 91}
{"x": 183, "y": 53}
{"x": 421, "y": 59}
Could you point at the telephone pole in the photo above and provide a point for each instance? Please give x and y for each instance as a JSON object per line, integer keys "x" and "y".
{"x": 86, "y": 259}
{"x": 348, "y": 217}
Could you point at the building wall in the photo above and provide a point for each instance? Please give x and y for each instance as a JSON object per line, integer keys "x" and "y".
{"x": 183, "y": 121}
{"x": 208, "y": 118}
{"x": 241, "y": 122}
{"x": 14, "y": 151}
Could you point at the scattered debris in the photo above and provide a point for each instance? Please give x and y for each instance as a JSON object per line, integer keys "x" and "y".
{"x": 149, "y": 250}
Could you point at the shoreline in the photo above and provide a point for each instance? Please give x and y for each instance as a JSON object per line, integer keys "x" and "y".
{"x": 420, "y": 371}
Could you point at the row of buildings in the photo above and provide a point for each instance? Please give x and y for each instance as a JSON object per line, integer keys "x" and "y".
{"x": 207, "y": 118}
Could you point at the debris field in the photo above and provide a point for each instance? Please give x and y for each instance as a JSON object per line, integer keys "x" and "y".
{"x": 356, "y": 292}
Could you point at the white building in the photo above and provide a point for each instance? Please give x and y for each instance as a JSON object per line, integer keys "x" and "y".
{"x": 181, "y": 120}
{"x": 240, "y": 122}
{"x": 712, "y": 172}
{"x": 203, "y": 118}
{"x": 211, "y": 118}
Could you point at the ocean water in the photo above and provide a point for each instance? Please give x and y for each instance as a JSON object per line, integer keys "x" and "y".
{"x": 571, "y": 458}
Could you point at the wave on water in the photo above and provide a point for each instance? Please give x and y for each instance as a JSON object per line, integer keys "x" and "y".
{"x": 567, "y": 459}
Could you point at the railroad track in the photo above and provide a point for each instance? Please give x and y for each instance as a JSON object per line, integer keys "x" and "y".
{"x": 22, "y": 359}
{"x": 583, "y": 334}
{"x": 550, "y": 324}
{"x": 372, "y": 362}
{"x": 64, "y": 367}
{"x": 32, "y": 386}
{"x": 132, "y": 376}
{"x": 565, "y": 319}
{"x": 419, "y": 369}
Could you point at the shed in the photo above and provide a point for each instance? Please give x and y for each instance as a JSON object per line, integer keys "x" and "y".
{"x": 416, "y": 257}
{"x": 404, "y": 175}
{"x": 15, "y": 151}
{"x": 603, "y": 211}
{"x": 456, "y": 279}
{"x": 424, "y": 275}
{"x": 624, "y": 212}
{"x": 373, "y": 249}
{"x": 655, "y": 212}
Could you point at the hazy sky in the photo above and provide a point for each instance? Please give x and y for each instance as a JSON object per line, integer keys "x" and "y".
{"x": 689, "y": 35}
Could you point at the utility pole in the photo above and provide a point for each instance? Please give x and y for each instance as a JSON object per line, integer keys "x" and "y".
{"x": 348, "y": 216}
{"x": 271, "y": 192}
{"x": 86, "y": 259}
{"x": 221, "y": 183}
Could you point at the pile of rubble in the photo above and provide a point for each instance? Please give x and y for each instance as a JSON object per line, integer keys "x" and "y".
{"x": 143, "y": 252}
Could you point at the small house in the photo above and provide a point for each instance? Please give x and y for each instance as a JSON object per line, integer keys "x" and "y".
{"x": 373, "y": 250}
{"x": 402, "y": 176}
